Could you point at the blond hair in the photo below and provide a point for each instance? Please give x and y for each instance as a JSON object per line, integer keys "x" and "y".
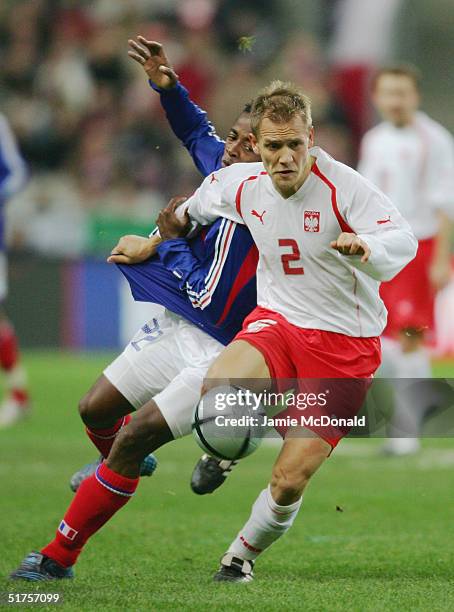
{"x": 280, "y": 102}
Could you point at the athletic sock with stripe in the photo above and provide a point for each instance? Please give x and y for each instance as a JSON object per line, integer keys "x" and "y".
{"x": 267, "y": 523}
{"x": 98, "y": 498}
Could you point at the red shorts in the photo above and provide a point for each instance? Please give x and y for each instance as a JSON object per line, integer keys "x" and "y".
{"x": 409, "y": 297}
{"x": 315, "y": 362}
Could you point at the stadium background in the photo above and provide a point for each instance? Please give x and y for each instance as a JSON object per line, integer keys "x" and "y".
{"x": 103, "y": 162}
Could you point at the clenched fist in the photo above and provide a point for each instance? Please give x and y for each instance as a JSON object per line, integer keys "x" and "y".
{"x": 350, "y": 244}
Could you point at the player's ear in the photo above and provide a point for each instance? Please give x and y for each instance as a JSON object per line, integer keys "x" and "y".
{"x": 311, "y": 136}
{"x": 254, "y": 144}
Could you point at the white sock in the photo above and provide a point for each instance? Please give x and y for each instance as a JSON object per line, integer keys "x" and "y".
{"x": 16, "y": 378}
{"x": 415, "y": 364}
{"x": 267, "y": 523}
{"x": 391, "y": 353}
{"x": 411, "y": 401}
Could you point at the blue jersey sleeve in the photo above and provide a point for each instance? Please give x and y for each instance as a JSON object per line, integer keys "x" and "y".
{"x": 190, "y": 124}
{"x": 214, "y": 280}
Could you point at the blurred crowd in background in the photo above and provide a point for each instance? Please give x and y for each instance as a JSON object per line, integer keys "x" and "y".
{"x": 102, "y": 159}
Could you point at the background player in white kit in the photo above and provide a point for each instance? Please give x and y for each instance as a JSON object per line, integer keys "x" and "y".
{"x": 323, "y": 249}
{"x": 13, "y": 176}
{"x": 411, "y": 158}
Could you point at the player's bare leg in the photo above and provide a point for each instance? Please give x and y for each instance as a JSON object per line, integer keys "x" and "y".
{"x": 302, "y": 454}
{"x": 210, "y": 473}
{"x": 146, "y": 432}
{"x": 104, "y": 410}
{"x": 16, "y": 404}
{"x": 238, "y": 361}
{"x": 276, "y": 507}
{"x": 103, "y": 405}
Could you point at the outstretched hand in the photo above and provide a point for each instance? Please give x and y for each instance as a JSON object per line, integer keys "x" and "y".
{"x": 133, "y": 249}
{"x": 151, "y": 56}
{"x": 350, "y": 244}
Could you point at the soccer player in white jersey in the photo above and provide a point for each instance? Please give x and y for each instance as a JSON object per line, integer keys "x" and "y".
{"x": 323, "y": 250}
{"x": 410, "y": 157}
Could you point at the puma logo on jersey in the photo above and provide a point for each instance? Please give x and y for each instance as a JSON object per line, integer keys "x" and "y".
{"x": 256, "y": 214}
{"x": 213, "y": 178}
{"x": 381, "y": 221}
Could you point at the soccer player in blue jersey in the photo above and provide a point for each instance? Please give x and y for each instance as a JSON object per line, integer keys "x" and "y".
{"x": 208, "y": 281}
{"x": 13, "y": 176}
{"x": 207, "y": 285}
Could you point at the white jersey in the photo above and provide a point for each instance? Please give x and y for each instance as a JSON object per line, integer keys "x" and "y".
{"x": 414, "y": 166}
{"x": 299, "y": 275}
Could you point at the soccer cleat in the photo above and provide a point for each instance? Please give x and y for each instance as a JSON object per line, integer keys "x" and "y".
{"x": 37, "y": 567}
{"x": 149, "y": 464}
{"x": 209, "y": 473}
{"x": 234, "y": 569}
{"x": 13, "y": 411}
{"x": 87, "y": 470}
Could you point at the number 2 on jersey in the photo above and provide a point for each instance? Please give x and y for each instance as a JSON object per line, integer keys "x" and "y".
{"x": 287, "y": 258}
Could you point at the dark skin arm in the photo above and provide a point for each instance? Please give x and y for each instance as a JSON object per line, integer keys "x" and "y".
{"x": 170, "y": 225}
{"x": 151, "y": 56}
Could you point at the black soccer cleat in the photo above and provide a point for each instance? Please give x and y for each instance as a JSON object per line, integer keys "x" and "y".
{"x": 36, "y": 567}
{"x": 209, "y": 473}
{"x": 234, "y": 569}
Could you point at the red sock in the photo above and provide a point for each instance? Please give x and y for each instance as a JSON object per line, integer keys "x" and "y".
{"x": 104, "y": 438}
{"x": 9, "y": 353}
{"x": 96, "y": 501}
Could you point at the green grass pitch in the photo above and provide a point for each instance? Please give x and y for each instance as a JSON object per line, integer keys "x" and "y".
{"x": 391, "y": 548}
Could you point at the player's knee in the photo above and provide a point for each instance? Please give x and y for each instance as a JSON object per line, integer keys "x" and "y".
{"x": 91, "y": 410}
{"x": 87, "y": 409}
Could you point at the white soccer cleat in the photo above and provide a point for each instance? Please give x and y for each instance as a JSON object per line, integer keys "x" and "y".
{"x": 12, "y": 411}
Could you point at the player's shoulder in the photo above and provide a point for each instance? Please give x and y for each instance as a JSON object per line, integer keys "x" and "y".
{"x": 375, "y": 133}
{"x": 238, "y": 172}
{"x": 332, "y": 170}
{"x": 346, "y": 180}
{"x": 432, "y": 127}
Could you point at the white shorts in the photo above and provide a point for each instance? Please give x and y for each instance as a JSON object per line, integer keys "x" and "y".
{"x": 3, "y": 276}
{"x": 166, "y": 360}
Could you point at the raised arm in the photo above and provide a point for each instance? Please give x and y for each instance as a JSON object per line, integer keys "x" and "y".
{"x": 188, "y": 122}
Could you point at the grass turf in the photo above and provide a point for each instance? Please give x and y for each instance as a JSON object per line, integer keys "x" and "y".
{"x": 390, "y": 548}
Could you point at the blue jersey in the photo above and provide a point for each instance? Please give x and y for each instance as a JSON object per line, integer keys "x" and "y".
{"x": 12, "y": 169}
{"x": 210, "y": 279}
